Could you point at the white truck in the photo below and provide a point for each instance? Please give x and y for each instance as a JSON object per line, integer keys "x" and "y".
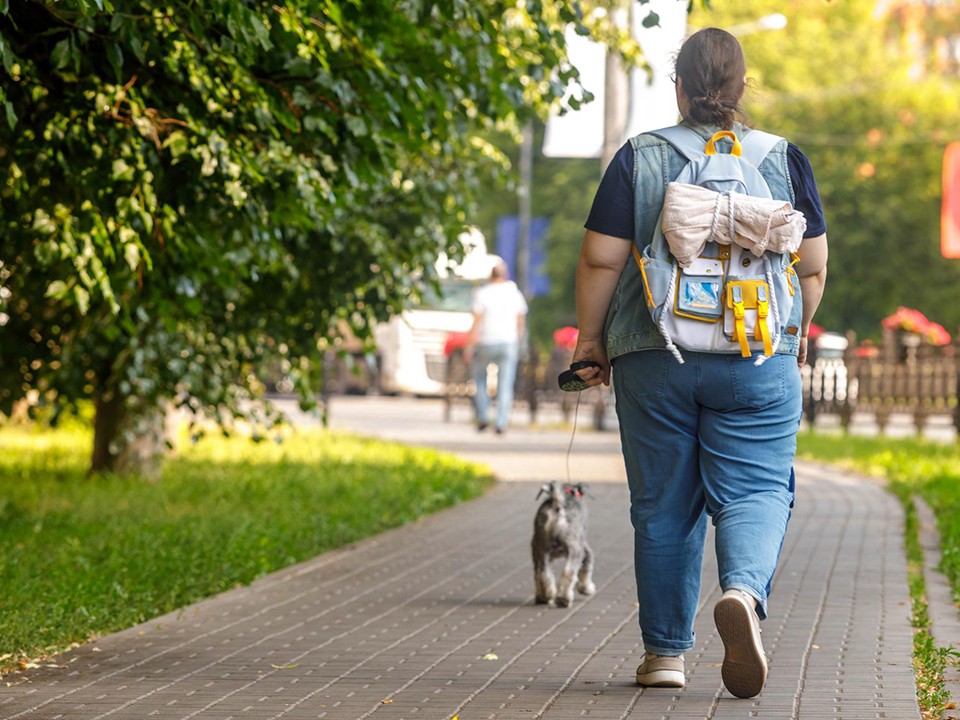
{"x": 411, "y": 346}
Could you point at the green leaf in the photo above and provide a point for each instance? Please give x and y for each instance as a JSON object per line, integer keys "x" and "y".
{"x": 7, "y": 56}
{"x": 136, "y": 47}
{"x": 131, "y": 253}
{"x": 356, "y": 125}
{"x": 83, "y": 299}
{"x": 56, "y": 290}
{"x": 11, "y": 114}
{"x": 651, "y": 20}
{"x": 61, "y": 55}
{"x": 115, "y": 57}
{"x": 260, "y": 32}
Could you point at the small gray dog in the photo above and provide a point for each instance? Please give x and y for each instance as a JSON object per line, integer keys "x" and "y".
{"x": 560, "y": 530}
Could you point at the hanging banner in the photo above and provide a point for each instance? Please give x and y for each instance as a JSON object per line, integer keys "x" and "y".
{"x": 508, "y": 247}
{"x": 950, "y": 209}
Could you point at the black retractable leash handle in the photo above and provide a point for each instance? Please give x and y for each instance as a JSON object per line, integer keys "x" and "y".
{"x": 569, "y": 381}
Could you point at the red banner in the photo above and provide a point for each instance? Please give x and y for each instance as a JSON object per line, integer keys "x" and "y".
{"x": 950, "y": 210}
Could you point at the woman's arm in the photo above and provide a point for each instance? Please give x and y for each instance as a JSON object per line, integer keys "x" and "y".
{"x": 812, "y": 271}
{"x": 602, "y": 258}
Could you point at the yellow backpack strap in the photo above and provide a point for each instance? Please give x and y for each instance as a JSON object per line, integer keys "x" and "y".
{"x": 646, "y": 286}
{"x": 791, "y": 274}
{"x": 762, "y": 330}
{"x": 739, "y": 313}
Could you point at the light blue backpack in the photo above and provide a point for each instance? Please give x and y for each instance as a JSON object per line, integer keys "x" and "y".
{"x": 727, "y": 300}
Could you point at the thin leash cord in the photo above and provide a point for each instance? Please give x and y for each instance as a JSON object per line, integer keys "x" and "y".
{"x": 573, "y": 433}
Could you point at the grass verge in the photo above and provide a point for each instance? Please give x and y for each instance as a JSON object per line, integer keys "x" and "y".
{"x": 84, "y": 556}
{"x": 912, "y": 467}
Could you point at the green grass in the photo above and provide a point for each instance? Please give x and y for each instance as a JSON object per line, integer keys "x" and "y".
{"x": 83, "y": 556}
{"x": 930, "y": 470}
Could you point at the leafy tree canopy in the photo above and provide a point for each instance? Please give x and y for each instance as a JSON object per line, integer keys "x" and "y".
{"x": 191, "y": 190}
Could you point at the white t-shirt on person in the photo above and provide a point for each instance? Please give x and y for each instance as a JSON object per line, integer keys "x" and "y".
{"x": 499, "y": 305}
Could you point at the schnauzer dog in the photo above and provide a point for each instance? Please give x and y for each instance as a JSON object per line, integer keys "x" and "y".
{"x": 560, "y": 530}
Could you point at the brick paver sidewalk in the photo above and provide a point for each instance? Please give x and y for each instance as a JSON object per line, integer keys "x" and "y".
{"x": 437, "y": 619}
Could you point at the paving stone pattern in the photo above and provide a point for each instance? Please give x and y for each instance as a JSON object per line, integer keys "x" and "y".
{"x": 436, "y": 619}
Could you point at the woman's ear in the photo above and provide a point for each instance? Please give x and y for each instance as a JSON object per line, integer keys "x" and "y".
{"x": 682, "y": 104}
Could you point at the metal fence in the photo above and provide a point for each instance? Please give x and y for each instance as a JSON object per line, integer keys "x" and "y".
{"x": 900, "y": 376}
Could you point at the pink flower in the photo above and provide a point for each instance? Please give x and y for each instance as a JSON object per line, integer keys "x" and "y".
{"x": 914, "y": 321}
{"x": 935, "y": 334}
{"x": 906, "y": 319}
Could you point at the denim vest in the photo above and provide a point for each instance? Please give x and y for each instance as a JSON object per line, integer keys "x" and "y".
{"x": 629, "y": 327}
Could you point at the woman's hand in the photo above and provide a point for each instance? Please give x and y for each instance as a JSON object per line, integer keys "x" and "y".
{"x": 802, "y": 354}
{"x": 593, "y": 349}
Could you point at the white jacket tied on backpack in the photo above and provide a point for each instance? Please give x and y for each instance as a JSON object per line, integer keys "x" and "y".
{"x": 695, "y": 215}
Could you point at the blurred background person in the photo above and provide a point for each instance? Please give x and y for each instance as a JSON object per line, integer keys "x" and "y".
{"x": 499, "y": 321}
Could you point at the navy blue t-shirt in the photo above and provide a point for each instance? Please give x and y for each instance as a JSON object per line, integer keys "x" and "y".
{"x": 612, "y": 211}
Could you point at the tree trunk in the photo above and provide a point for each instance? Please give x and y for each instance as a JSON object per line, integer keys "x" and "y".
{"x": 126, "y": 443}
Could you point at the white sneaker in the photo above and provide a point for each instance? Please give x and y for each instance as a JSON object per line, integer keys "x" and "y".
{"x": 744, "y": 665}
{"x": 661, "y": 671}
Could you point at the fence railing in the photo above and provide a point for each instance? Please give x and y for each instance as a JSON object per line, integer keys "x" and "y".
{"x": 901, "y": 376}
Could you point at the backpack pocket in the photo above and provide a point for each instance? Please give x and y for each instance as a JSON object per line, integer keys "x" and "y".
{"x": 747, "y": 318}
{"x": 657, "y": 275}
{"x": 700, "y": 290}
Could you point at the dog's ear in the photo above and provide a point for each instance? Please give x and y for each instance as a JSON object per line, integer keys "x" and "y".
{"x": 544, "y": 489}
{"x": 583, "y": 489}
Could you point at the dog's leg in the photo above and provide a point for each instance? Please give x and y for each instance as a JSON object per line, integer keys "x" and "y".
{"x": 585, "y": 576}
{"x": 565, "y": 584}
{"x": 543, "y": 578}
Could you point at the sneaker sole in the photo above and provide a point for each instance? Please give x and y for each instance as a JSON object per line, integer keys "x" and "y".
{"x": 744, "y": 665}
{"x": 662, "y": 678}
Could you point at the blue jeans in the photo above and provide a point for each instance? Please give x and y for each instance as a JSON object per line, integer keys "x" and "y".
{"x": 713, "y": 437}
{"x": 504, "y": 356}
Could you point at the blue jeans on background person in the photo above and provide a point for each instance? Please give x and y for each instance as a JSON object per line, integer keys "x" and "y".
{"x": 504, "y": 356}
{"x": 715, "y": 436}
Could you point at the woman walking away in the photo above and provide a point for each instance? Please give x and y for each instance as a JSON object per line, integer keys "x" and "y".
{"x": 712, "y": 435}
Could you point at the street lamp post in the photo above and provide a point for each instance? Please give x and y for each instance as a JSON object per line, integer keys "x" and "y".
{"x": 524, "y": 212}
{"x": 616, "y": 95}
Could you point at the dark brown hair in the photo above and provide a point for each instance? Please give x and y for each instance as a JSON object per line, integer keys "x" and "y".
{"x": 713, "y": 70}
